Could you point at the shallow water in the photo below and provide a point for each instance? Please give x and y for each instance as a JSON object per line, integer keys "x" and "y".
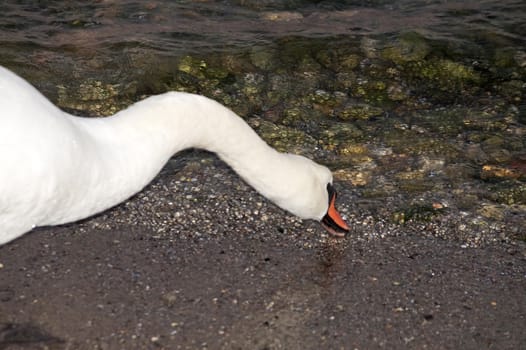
{"x": 417, "y": 106}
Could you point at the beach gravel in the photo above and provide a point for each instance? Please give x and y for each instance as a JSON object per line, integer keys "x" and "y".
{"x": 198, "y": 260}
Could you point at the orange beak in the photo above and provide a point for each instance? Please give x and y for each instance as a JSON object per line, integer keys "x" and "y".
{"x": 332, "y": 221}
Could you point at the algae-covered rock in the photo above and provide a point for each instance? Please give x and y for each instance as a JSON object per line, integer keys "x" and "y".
{"x": 450, "y": 70}
{"x": 338, "y": 136}
{"x": 515, "y": 193}
{"x": 209, "y": 67}
{"x": 371, "y": 90}
{"x": 355, "y": 177}
{"x": 325, "y": 102}
{"x": 338, "y": 60}
{"x": 444, "y": 121}
{"x": 362, "y": 111}
{"x": 493, "y": 146}
{"x": 446, "y": 74}
{"x": 93, "y": 96}
{"x": 410, "y": 175}
{"x": 415, "y": 142}
{"x": 499, "y": 173}
{"x": 263, "y": 57}
{"x": 354, "y": 149}
{"x": 345, "y": 81}
{"x": 93, "y": 90}
{"x": 491, "y": 211}
{"x": 396, "y": 92}
{"x": 354, "y": 153}
{"x": 323, "y": 98}
{"x": 370, "y": 47}
{"x": 409, "y": 47}
{"x": 283, "y": 138}
{"x": 301, "y": 114}
{"x": 280, "y": 89}
{"x": 192, "y": 65}
{"x": 253, "y": 84}
{"x": 487, "y": 121}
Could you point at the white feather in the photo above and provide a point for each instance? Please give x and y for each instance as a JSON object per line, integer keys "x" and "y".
{"x": 57, "y": 168}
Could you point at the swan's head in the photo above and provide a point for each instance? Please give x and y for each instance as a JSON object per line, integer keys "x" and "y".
{"x": 308, "y": 193}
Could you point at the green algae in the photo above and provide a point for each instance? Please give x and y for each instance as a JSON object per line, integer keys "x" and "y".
{"x": 360, "y": 111}
{"x": 193, "y": 66}
{"x": 409, "y": 47}
{"x": 338, "y": 59}
{"x": 283, "y": 138}
{"x": 94, "y": 97}
{"x": 426, "y": 64}
{"x": 335, "y": 133}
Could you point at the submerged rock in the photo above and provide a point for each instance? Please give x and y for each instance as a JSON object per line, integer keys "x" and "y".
{"x": 283, "y": 138}
{"x": 494, "y": 172}
{"x": 510, "y": 193}
{"x": 361, "y": 111}
{"x": 94, "y": 97}
{"x": 355, "y": 177}
{"x": 410, "y": 47}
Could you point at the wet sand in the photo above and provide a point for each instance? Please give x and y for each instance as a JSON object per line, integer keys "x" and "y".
{"x": 199, "y": 260}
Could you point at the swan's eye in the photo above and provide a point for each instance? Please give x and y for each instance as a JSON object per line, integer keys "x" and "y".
{"x": 331, "y": 191}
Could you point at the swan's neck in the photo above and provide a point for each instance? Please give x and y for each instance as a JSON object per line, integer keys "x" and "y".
{"x": 124, "y": 152}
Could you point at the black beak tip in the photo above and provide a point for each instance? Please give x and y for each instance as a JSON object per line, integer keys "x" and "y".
{"x": 333, "y": 228}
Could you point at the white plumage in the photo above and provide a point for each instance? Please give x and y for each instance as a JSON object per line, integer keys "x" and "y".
{"x": 57, "y": 168}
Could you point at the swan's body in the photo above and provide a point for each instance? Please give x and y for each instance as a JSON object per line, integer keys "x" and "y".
{"x": 57, "y": 168}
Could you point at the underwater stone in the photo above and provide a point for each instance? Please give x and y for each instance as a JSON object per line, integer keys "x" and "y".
{"x": 345, "y": 80}
{"x": 263, "y": 58}
{"x": 322, "y": 97}
{"x": 493, "y": 172}
{"x": 516, "y": 194}
{"x": 448, "y": 74}
{"x": 338, "y": 60}
{"x": 396, "y": 92}
{"x": 491, "y": 211}
{"x": 369, "y": 47}
{"x": 284, "y": 139}
{"x": 359, "y": 111}
{"x": 93, "y": 96}
{"x": 193, "y": 66}
{"x": 342, "y": 132}
{"x": 355, "y": 177}
{"x": 409, "y": 47}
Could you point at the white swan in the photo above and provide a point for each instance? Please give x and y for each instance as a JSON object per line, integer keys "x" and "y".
{"x": 56, "y": 168}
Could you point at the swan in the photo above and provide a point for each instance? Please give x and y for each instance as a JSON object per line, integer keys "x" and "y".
{"x": 58, "y": 168}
